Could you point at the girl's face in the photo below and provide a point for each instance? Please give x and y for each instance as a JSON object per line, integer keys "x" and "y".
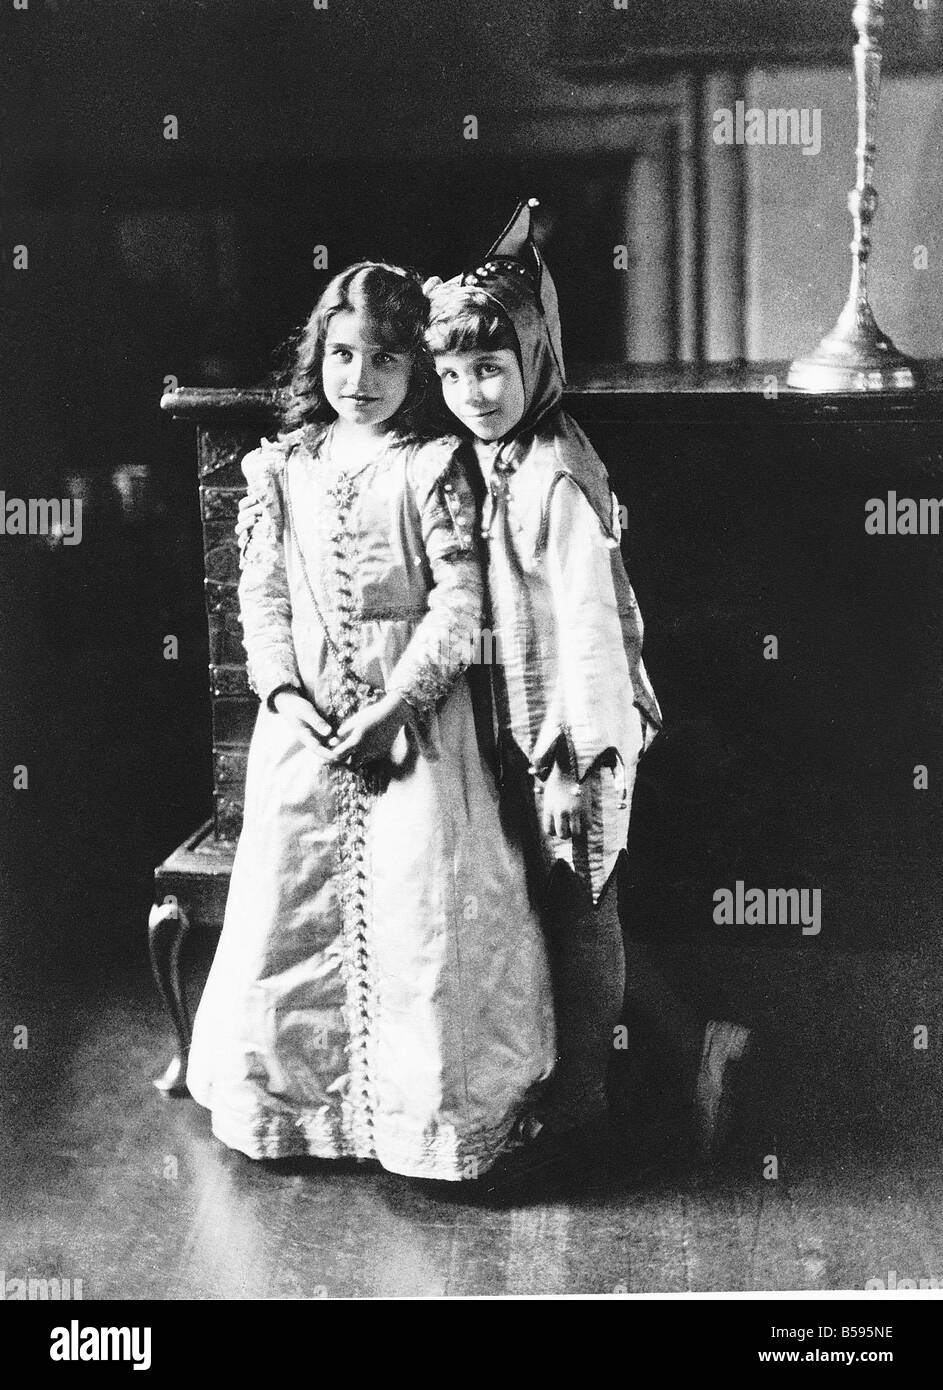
{"x": 484, "y": 389}
{"x": 365, "y": 382}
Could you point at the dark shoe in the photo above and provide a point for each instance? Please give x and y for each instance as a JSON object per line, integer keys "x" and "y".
{"x": 549, "y": 1155}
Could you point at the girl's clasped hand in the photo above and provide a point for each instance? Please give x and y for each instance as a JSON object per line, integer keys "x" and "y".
{"x": 311, "y": 728}
{"x": 366, "y": 736}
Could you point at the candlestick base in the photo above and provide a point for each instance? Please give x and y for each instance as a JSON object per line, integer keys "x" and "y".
{"x": 855, "y": 356}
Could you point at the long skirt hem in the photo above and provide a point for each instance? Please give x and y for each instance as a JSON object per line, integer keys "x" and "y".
{"x": 310, "y": 1134}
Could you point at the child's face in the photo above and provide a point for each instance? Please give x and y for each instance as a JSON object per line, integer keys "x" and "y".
{"x": 365, "y": 382}
{"x": 484, "y": 389}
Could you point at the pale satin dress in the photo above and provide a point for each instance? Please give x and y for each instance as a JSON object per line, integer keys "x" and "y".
{"x": 381, "y": 988}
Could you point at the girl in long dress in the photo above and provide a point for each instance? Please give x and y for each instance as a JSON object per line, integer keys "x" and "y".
{"x": 381, "y": 988}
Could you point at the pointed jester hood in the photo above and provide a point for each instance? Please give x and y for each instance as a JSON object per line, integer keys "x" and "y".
{"x": 514, "y": 275}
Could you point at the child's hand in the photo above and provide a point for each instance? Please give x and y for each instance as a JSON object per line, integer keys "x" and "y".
{"x": 369, "y": 734}
{"x": 560, "y": 812}
{"x": 250, "y": 513}
{"x": 313, "y": 731}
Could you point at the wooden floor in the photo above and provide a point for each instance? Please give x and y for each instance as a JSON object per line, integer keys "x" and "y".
{"x": 106, "y": 1181}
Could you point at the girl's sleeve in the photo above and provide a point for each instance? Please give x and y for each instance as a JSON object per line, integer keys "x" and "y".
{"x": 591, "y": 705}
{"x": 264, "y": 601}
{"x": 444, "y": 643}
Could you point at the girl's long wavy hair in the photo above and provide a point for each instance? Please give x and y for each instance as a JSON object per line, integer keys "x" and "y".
{"x": 392, "y": 299}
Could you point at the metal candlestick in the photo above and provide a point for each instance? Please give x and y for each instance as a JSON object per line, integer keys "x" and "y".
{"x": 856, "y": 355}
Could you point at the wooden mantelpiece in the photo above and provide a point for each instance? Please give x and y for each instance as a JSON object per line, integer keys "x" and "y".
{"x": 661, "y": 382}
{"x": 745, "y": 509}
